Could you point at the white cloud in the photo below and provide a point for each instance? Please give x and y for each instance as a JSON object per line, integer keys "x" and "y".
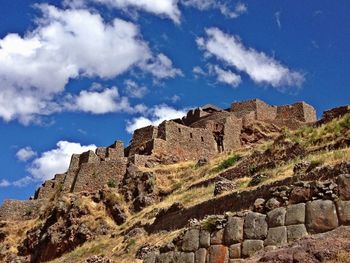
{"x": 260, "y": 68}
{"x": 278, "y": 19}
{"x": 155, "y": 116}
{"x": 68, "y": 44}
{"x": 4, "y": 183}
{"x": 133, "y": 90}
{"x": 225, "y": 76}
{"x": 98, "y": 102}
{"x": 197, "y": 71}
{"x": 165, "y": 8}
{"x": 25, "y": 154}
{"x": 223, "y": 6}
{"x": 161, "y": 67}
{"x": 56, "y": 160}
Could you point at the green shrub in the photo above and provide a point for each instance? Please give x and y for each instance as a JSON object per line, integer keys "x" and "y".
{"x": 112, "y": 183}
{"x": 228, "y": 162}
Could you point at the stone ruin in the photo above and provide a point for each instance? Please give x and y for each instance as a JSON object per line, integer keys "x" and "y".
{"x": 202, "y": 133}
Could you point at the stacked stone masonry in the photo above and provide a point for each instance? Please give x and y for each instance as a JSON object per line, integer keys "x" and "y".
{"x": 88, "y": 171}
{"x": 239, "y": 235}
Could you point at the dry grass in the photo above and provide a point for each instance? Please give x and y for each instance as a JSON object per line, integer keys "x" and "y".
{"x": 341, "y": 257}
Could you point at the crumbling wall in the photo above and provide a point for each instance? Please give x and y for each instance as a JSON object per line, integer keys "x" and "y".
{"x": 193, "y": 116}
{"x": 184, "y": 142}
{"x": 92, "y": 176}
{"x": 12, "y": 210}
{"x": 262, "y": 110}
{"x": 50, "y": 187}
{"x": 335, "y": 113}
{"x": 140, "y": 138}
{"x": 300, "y": 111}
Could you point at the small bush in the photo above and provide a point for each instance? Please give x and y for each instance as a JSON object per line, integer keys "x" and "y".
{"x": 252, "y": 169}
{"x": 112, "y": 183}
{"x": 228, "y": 162}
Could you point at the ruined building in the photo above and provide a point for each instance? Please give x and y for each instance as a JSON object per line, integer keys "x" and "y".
{"x": 202, "y": 133}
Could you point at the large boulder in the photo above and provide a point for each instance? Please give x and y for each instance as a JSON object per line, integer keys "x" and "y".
{"x": 218, "y": 254}
{"x": 255, "y": 226}
{"x": 190, "y": 242}
{"x": 295, "y": 214}
{"x": 321, "y": 216}
{"x": 276, "y": 236}
{"x": 343, "y": 208}
{"x": 276, "y": 217}
{"x": 233, "y": 232}
{"x": 344, "y": 186}
{"x": 250, "y": 247}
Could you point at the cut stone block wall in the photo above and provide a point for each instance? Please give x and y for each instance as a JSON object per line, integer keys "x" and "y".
{"x": 241, "y": 235}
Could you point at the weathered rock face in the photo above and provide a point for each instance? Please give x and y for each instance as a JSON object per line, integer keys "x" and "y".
{"x": 139, "y": 188}
{"x": 62, "y": 230}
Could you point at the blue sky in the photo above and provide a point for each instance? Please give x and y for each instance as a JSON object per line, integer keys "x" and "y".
{"x": 79, "y": 74}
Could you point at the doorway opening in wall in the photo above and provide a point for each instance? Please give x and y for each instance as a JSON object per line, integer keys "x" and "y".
{"x": 179, "y": 129}
{"x": 202, "y": 139}
{"x": 191, "y": 135}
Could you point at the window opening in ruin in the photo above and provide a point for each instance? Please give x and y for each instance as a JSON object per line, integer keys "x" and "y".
{"x": 191, "y": 135}
{"x": 202, "y": 139}
{"x": 53, "y": 185}
{"x": 219, "y": 139}
{"x": 179, "y": 129}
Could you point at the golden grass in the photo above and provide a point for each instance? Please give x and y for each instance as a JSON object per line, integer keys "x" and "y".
{"x": 341, "y": 257}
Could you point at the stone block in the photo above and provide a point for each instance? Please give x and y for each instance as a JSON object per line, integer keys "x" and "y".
{"x": 276, "y": 236}
{"x": 344, "y": 186}
{"x": 204, "y": 238}
{"x": 218, "y": 254}
{"x": 235, "y": 250}
{"x": 233, "y": 232}
{"x": 190, "y": 242}
{"x": 276, "y": 217}
{"x": 321, "y": 216}
{"x": 343, "y": 208}
{"x": 255, "y": 226}
{"x": 250, "y": 247}
{"x": 200, "y": 256}
{"x": 217, "y": 237}
{"x": 295, "y": 232}
{"x": 295, "y": 214}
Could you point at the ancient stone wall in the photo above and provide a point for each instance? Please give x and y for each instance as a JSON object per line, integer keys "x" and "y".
{"x": 185, "y": 142}
{"x": 92, "y": 176}
{"x": 298, "y": 111}
{"x": 193, "y": 116}
{"x": 271, "y": 224}
{"x": 335, "y": 113}
{"x": 140, "y": 138}
{"x": 50, "y": 187}
{"x": 12, "y": 210}
{"x": 263, "y": 111}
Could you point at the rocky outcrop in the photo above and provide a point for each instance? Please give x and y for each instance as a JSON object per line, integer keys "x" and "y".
{"x": 139, "y": 188}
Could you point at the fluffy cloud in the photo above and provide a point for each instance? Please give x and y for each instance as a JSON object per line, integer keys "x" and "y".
{"x": 98, "y": 102}
{"x": 133, "y": 90}
{"x": 68, "y": 44}
{"x": 259, "y": 67}
{"x": 225, "y": 76}
{"x": 25, "y": 154}
{"x": 222, "y": 6}
{"x": 154, "y": 116}
{"x": 4, "y": 183}
{"x": 56, "y": 160}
